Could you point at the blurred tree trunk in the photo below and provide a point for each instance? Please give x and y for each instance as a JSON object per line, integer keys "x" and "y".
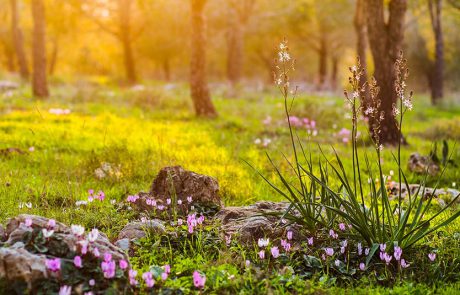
{"x": 167, "y": 69}
{"x": 322, "y": 66}
{"x": 18, "y": 41}
{"x": 437, "y": 73}
{"x": 361, "y": 31}
{"x": 334, "y": 71}
{"x": 199, "y": 88}
{"x": 39, "y": 81}
{"x": 9, "y": 54}
{"x": 126, "y": 39}
{"x": 54, "y": 55}
{"x": 385, "y": 39}
{"x": 238, "y": 15}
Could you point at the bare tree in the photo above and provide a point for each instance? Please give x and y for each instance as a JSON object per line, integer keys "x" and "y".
{"x": 39, "y": 80}
{"x": 18, "y": 41}
{"x": 199, "y": 88}
{"x": 437, "y": 72}
{"x": 385, "y": 38}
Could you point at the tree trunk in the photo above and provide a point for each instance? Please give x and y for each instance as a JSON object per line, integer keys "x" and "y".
{"x": 385, "y": 39}
{"x": 199, "y": 88}
{"x": 361, "y": 31}
{"x": 126, "y": 39}
{"x": 335, "y": 71}
{"x": 235, "y": 44}
{"x": 18, "y": 41}
{"x": 166, "y": 69}
{"x": 54, "y": 55}
{"x": 9, "y": 54}
{"x": 322, "y": 66}
{"x": 437, "y": 73}
{"x": 39, "y": 81}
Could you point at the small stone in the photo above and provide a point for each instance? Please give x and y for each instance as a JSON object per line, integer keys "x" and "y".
{"x": 123, "y": 244}
{"x": 422, "y": 164}
{"x": 137, "y": 230}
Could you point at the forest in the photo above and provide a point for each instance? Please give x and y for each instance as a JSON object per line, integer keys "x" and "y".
{"x": 229, "y": 147}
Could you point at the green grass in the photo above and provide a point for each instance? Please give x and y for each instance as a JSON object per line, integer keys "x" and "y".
{"x": 139, "y": 132}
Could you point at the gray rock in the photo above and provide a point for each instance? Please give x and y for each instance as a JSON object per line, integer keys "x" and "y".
{"x": 21, "y": 265}
{"x": 136, "y": 230}
{"x": 248, "y": 223}
{"x": 422, "y": 164}
{"x": 428, "y": 192}
{"x": 123, "y": 244}
{"x": 177, "y": 183}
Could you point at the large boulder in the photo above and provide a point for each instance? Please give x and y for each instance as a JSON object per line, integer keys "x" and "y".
{"x": 249, "y": 223}
{"x": 422, "y": 164}
{"x": 25, "y": 251}
{"x": 179, "y": 185}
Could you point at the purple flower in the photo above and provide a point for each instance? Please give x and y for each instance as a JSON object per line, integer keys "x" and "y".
{"x": 386, "y": 257}
{"x": 108, "y": 268}
{"x": 28, "y": 222}
{"x": 51, "y": 223}
{"x": 383, "y": 247}
{"x": 262, "y": 254}
{"x": 198, "y": 280}
{"x": 228, "y": 240}
{"x": 404, "y": 264}
{"x": 65, "y": 290}
{"x": 287, "y": 247}
{"x": 189, "y": 199}
{"x": 342, "y": 226}
{"x": 164, "y": 276}
{"x": 53, "y": 265}
{"x": 123, "y": 264}
{"x": 77, "y": 262}
{"x": 107, "y": 257}
{"x": 180, "y": 221}
{"x": 398, "y": 252}
{"x": 247, "y": 263}
{"x": 167, "y": 269}
{"x": 366, "y": 251}
{"x": 333, "y": 234}
{"x": 289, "y": 235}
{"x": 148, "y": 279}
{"x": 275, "y": 252}
{"x": 132, "y": 277}
{"x": 92, "y": 282}
{"x": 132, "y": 199}
{"x": 432, "y": 256}
{"x": 263, "y": 242}
{"x": 96, "y": 252}
{"x": 101, "y": 196}
{"x": 362, "y": 266}
{"x": 360, "y": 249}
{"x": 310, "y": 241}
{"x": 329, "y": 251}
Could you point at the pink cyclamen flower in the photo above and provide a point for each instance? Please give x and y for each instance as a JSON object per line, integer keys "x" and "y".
{"x": 164, "y": 276}
{"x": 198, "y": 280}
{"x": 93, "y": 235}
{"x": 132, "y": 199}
{"x": 366, "y": 251}
{"x": 96, "y": 252}
{"x": 168, "y": 201}
{"x": 28, "y": 222}
{"x": 123, "y": 264}
{"x": 77, "y": 262}
{"x": 275, "y": 252}
{"x": 180, "y": 221}
{"x": 342, "y": 226}
{"x": 228, "y": 240}
{"x": 360, "y": 249}
{"x": 362, "y": 266}
{"x": 189, "y": 199}
{"x": 404, "y": 264}
{"x": 108, "y": 268}
{"x": 148, "y": 279}
{"x": 263, "y": 242}
{"x": 289, "y": 235}
{"x": 132, "y": 277}
{"x": 51, "y": 223}
{"x": 101, "y": 196}
{"x": 107, "y": 257}
{"x": 92, "y": 282}
{"x": 329, "y": 251}
{"x": 287, "y": 247}
{"x": 387, "y": 258}
{"x": 179, "y": 202}
{"x": 333, "y": 234}
{"x": 397, "y": 253}
{"x": 337, "y": 262}
{"x": 47, "y": 233}
{"x": 383, "y": 247}
{"x": 65, "y": 290}
{"x": 262, "y": 254}
{"x": 167, "y": 269}
{"x": 53, "y": 265}
{"x": 310, "y": 241}
{"x": 247, "y": 263}
{"x": 432, "y": 256}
